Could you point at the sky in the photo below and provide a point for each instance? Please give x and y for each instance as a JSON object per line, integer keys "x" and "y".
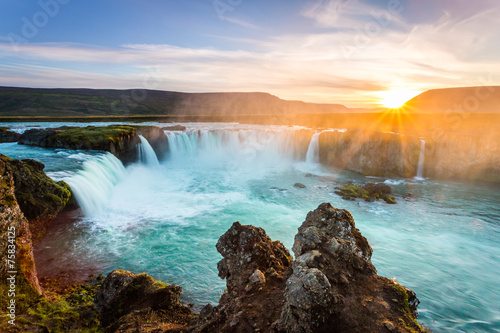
{"x": 353, "y": 52}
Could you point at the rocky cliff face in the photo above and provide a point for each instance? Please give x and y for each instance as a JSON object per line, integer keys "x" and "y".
{"x": 447, "y": 156}
{"x": 370, "y": 153}
{"x": 15, "y": 235}
{"x": 332, "y": 285}
{"x": 29, "y": 200}
{"x": 120, "y": 140}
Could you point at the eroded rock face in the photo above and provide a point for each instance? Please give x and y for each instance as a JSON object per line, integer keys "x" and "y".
{"x": 39, "y": 197}
{"x": 255, "y": 269}
{"x": 332, "y": 285}
{"x": 14, "y": 225}
{"x": 124, "y": 297}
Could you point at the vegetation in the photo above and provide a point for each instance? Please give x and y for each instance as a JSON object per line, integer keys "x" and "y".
{"x": 368, "y": 192}
{"x": 70, "y": 309}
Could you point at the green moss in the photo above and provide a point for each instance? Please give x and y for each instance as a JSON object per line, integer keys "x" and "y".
{"x": 368, "y": 192}
{"x": 409, "y": 322}
{"x": 98, "y": 137}
{"x": 71, "y": 311}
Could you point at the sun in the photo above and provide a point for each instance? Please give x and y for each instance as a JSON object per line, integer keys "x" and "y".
{"x": 394, "y": 99}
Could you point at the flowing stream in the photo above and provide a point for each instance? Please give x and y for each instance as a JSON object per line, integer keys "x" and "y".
{"x": 165, "y": 217}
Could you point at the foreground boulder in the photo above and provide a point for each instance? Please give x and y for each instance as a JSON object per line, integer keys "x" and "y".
{"x": 332, "y": 285}
{"x": 120, "y": 140}
{"x": 124, "y": 299}
{"x": 335, "y": 288}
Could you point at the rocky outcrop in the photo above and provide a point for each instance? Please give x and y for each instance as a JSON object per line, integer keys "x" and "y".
{"x": 15, "y": 237}
{"x": 125, "y": 298}
{"x": 368, "y": 192}
{"x": 120, "y": 140}
{"x": 8, "y": 136}
{"x": 335, "y": 288}
{"x": 255, "y": 269}
{"x": 332, "y": 285}
{"x": 29, "y": 200}
{"x": 39, "y": 197}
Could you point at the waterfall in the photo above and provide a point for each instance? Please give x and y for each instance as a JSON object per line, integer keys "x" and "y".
{"x": 214, "y": 146}
{"x": 312, "y": 155}
{"x": 421, "y": 160}
{"x": 147, "y": 154}
{"x": 93, "y": 185}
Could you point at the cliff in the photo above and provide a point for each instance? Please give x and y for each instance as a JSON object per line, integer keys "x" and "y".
{"x": 120, "y": 140}
{"x": 447, "y": 156}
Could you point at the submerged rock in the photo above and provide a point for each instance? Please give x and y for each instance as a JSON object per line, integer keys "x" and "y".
{"x": 125, "y": 298}
{"x": 368, "y": 192}
{"x": 120, "y": 140}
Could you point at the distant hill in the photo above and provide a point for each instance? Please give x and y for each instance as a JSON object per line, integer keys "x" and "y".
{"x": 469, "y": 99}
{"x": 107, "y": 102}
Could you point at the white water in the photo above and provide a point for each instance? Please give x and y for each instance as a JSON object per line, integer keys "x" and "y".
{"x": 94, "y": 184}
{"x": 421, "y": 161}
{"x": 441, "y": 239}
{"x": 147, "y": 154}
{"x": 312, "y": 155}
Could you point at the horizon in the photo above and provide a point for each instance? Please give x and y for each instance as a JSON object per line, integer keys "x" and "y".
{"x": 358, "y": 53}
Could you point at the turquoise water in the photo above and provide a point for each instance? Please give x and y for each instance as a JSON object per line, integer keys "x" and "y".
{"x": 441, "y": 239}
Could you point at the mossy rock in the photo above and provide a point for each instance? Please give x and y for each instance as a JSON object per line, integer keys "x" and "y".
{"x": 368, "y": 192}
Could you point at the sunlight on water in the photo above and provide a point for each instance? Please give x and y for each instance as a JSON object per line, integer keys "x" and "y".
{"x": 441, "y": 239}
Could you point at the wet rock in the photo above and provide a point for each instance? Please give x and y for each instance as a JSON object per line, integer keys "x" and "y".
{"x": 299, "y": 185}
{"x": 8, "y": 136}
{"x": 127, "y": 294}
{"x": 368, "y": 192}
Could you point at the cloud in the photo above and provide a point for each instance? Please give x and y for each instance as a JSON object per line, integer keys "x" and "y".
{"x": 334, "y": 65}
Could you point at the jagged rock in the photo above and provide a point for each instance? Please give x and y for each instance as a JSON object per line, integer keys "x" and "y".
{"x": 15, "y": 236}
{"x": 8, "y": 136}
{"x": 124, "y": 297}
{"x": 334, "y": 286}
{"x": 120, "y": 140}
{"x": 255, "y": 269}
